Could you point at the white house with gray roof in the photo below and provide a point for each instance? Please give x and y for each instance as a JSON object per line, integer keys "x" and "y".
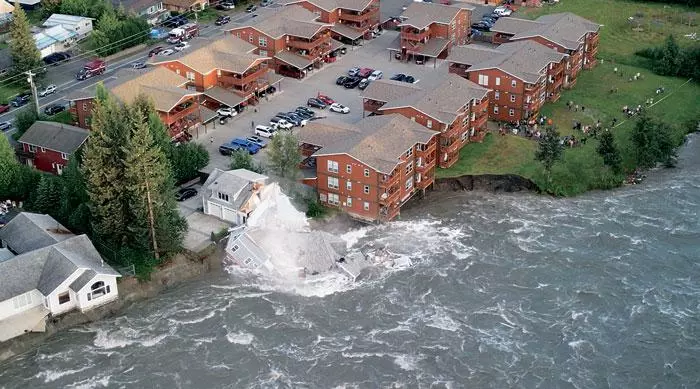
{"x": 232, "y": 195}
{"x": 47, "y": 270}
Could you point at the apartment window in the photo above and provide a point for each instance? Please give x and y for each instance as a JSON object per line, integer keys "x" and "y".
{"x": 238, "y": 35}
{"x": 413, "y": 118}
{"x": 250, "y": 38}
{"x": 190, "y": 76}
{"x": 409, "y": 183}
{"x": 512, "y": 98}
{"x": 464, "y": 136}
{"x": 234, "y": 248}
{"x": 84, "y": 106}
{"x": 263, "y": 53}
{"x": 483, "y": 79}
{"x": 98, "y": 289}
{"x": 333, "y": 182}
{"x": 63, "y": 297}
{"x": 31, "y": 148}
{"x": 322, "y": 197}
{"x": 498, "y": 81}
{"x": 349, "y": 202}
{"x": 511, "y": 112}
{"x": 366, "y": 206}
{"x": 333, "y": 199}
{"x": 247, "y": 261}
{"x": 366, "y": 189}
{"x": 262, "y": 41}
{"x": 495, "y": 109}
{"x": 348, "y": 168}
{"x": 43, "y": 150}
{"x": 177, "y": 71}
{"x": 409, "y": 152}
{"x": 348, "y": 185}
{"x": 218, "y": 72}
{"x": 496, "y": 95}
{"x": 222, "y": 196}
{"x": 527, "y": 99}
{"x": 366, "y": 172}
{"x": 409, "y": 168}
{"x": 64, "y": 156}
{"x": 429, "y": 123}
{"x": 513, "y": 83}
{"x": 332, "y": 166}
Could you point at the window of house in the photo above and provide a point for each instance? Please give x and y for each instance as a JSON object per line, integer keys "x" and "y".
{"x": 98, "y": 289}
{"x": 84, "y": 106}
{"x": 527, "y": 99}
{"x": 348, "y": 185}
{"x": 333, "y": 199}
{"x": 177, "y": 71}
{"x": 63, "y": 297}
{"x": 332, "y": 166}
{"x": 250, "y": 38}
{"x": 43, "y": 150}
{"x": 31, "y": 148}
{"x": 464, "y": 135}
{"x": 512, "y": 98}
{"x": 409, "y": 168}
{"x": 498, "y": 81}
{"x": 190, "y": 76}
{"x": 413, "y": 118}
{"x": 366, "y": 172}
{"x": 513, "y": 83}
{"x": 262, "y": 41}
{"x": 409, "y": 183}
{"x": 495, "y": 109}
{"x": 349, "y": 202}
{"x": 366, "y": 189}
{"x": 348, "y": 168}
{"x": 429, "y": 124}
{"x": 333, "y": 182}
{"x": 483, "y": 79}
{"x": 263, "y": 53}
{"x": 511, "y": 112}
{"x": 496, "y": 95}
{"x": 365, "y": 206}
{"x": 59, "y": 168}
{"x": 222, "y": 196}
{"x": 234, "y": 248}
{"x": 409, "y": 152}
{"x": 323, "y": 197}
{"x": 238, "y": 35}
{"x": 247, "y": 261}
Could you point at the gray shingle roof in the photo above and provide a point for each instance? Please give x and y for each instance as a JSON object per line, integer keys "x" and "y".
{"x": 565, "y": 29}
{"x": 377, "y": 141}
{"x": 59, "y": 137}
{"x": 294, "y": 20}
{"x": 421, "y": 15}
{"x": 31, "y": 231}
{"x": 293, "y": 59}
{"x": 236, "y": 186}
{"x": 81, "y": 281}
{"x": 330, "y": 5}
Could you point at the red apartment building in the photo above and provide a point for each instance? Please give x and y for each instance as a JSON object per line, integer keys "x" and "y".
{"x": 370, "y": 169}
{"x": 177, "y": 106}
{"x": 428, "y": 30}
{"x": 351, "y": 19}
{"x": 225, "y": 70}
{"x": 521, "y": 76}
{"x": 48, "y": 145}
{"x": 454, "y": 108}
{"x": 566, "y": 33}
{"x": 292, "y": 37}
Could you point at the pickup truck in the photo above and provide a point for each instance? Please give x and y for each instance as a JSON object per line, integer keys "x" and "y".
{"x": 246, "y": 145}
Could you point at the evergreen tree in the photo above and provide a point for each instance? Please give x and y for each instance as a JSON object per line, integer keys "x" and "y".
{"x": 74, "y": 206}
{"x": 9, "y": 168}
{"x": 550, "y": 149}
{"x": 671, "y": 58}
{"x": 241, "y": 159}
{"x": 609, "y": 151}
{"x": 284, "y": 155}
{"x": 652, "y": 143}
{"x": 25, "y": 55}
{"x": 47, "y": 195}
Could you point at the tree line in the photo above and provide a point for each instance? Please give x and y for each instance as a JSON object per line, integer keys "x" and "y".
{"x": 670, "y": 59}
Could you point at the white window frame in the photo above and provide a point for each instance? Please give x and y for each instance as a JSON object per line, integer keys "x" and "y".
{"x": 409, "y": 183}
{"x": 498, "y": 81}
{"x": 365, "y": 206}
{"x": 496, "y": 95}
{"x": 483, "y": 79}
{"x": 366, "y": 172}
{"x": 31, "y": 148}
{"x": 429, "y": 124}
{"x": 348, "y": 203}
{"x": 348, "y": 168}
{"x": 512, "y": 98}
{"x": 365, "y": 190}
{"x": 333, "y": 183}
{"x": 495, "y": 109}
{"x": 513, "y": 83}
{"x": 348, "y": 185}
{"x": 332, "y": 166}
{"x": 333, "y": 199}
{"x": 511, "y": 112}
{"x": 262, "y": 41}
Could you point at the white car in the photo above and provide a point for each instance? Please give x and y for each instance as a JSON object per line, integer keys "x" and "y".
{"x": 227, "y": 112}
{"x": 340, "y": 108}
{"x": 503, "y": 11}
{"x": 182, "y": 46}
{"x": 166, "y": 52}
{"x": 48, "y": 90}
{"x": 376, "y": 75}
{"x": 280, "y": 123}
{"x": 264, "y": 131}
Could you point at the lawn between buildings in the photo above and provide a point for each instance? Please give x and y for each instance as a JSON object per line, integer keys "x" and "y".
{"x": 582, "y": 168}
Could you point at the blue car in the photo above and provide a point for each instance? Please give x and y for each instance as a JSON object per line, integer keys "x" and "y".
{"x": 246, "y": 144}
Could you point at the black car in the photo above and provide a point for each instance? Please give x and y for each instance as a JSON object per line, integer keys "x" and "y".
{"x": 175, "y": 21}
{"x": 21, "y": 99}
{"x": 341, "y": 80}
{"x": 316, "y": 103}
{"x": 481, "y": 26}
{"x": 304, "y": 114}
{"x": 221, "y": 20}
{"x": 363, "y": 84}
{"x": 491, "y": 15}
{"x": 295, "y": 120}
{"x": 228, "y": 149}
{"x": 305, "y": 111}
{"x": 54, "y": 109}
{"x": 409, "y": 79}
{"x": 296, "y": 116}
{"x": 56, "y": 58}
{"x": 352, "y": 82}
{"x": 185, "y": 193}
{"x": 398, "y": 77}
{"x": 155, "y": 51}
{"x": 270, "y": 90}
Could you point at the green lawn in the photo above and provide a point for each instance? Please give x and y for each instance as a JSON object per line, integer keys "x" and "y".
{"x": 582, "y": 169}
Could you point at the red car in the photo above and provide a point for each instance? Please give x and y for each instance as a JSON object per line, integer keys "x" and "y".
{"x": 4, "y": 108}
{"x": 365, "y": 72}
{"x": 325, "y": 99}
{"x": 155, "y": 51}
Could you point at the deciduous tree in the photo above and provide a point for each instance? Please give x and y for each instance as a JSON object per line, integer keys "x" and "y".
{"x": 609, "y": 151}
{"x": 284, "y": 155}
{"x": 550, "y": 149}
{"x": 241, "y": 159}
{"x": 652, "y": 143}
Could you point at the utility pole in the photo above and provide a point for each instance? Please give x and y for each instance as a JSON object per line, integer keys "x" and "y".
{"x": 30, "y": 80}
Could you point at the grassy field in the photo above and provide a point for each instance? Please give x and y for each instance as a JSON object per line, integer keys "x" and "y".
{"x": 582, "y": 169}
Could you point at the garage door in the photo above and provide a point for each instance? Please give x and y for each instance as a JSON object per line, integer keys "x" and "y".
{"x": 215, "y": 210}
{"x": 230, "y": 215}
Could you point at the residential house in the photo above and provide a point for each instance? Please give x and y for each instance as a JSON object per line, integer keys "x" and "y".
{"x": 371, "y": 168}
{"x": 292, "y": 37}
{"x": 178, "y": 107}
{"x": 226, "y": 70}
{"x": 29, "y": 5}
{"x": 351, "y": 19}
{"x": 6, "y": 10}
{"x": 428, "y": 30}
{"x": 521, "y": 76}
{"x": 154, "y": 11}
{"x": 48, "y": 145}
{"x": 232, "y": 195}
{"x": 49, "y": 271}
{"x": 54, "y": 39}
{"x": 566, "y": 33}
{"x": 82, "y": 26}
{"x": 182, "y": 6}
{"x": 454, "y": 108}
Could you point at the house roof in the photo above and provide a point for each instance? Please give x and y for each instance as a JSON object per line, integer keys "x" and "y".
{"x": 48, "y": 267}
{"x": 347, "y": 31}
{"x": 443, "y": 101}
{"x": 294, "y": 20}
{"x": 247, "y": 175}
{"x": 30, "y": 231}
{"x": 228, "y": 183}
{"x": 52, "y": 35}
{"x": 224, "y": 96}
{"x": 5, "y": 254}
{"x": 59, "y": 137}
{"x": 433, "y": 47}
{"x": 181, "y": 3}
{"x": 81, "y": 281}
{"x": 60, "y": 19}
{"x": 228, "y": 53}
{"x": 565, "y": 29}
{"x": 421, "y": 15}
{"x": 135, "y": 5}
{"x": 330, "y": 5}
{"x": 522, "y": 59}
{"x": 293, "y": 59}
{"x": 377, "y": 141}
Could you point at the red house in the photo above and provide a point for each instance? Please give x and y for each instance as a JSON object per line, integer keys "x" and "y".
{"x": 566, "y": 33}
{"x": 48, "y": 145}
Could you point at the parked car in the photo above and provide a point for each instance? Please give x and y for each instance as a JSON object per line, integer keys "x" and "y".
{"x": 166, "y": 52}
{"x": 491, "y": 15}
{"x": 138, "y": 65}
{"x": 353, "y": 71}
{"x": 305, "y": 111}
{"x": 270, "y": 90}
{"x": 409, "y": 79}
{"x": 277, "y": 122}
{"x": 21, "y": 99}
{"x": 4, "y": 108}
{"x": 5, "y": 126}
{"x": 56, "y": 58}
{"x": 228, "y": 149}
{"x": 246, "y": 145}
{"x": 488, "y": 22}
{"x": 341, "y": 80}
{"x": 51, "y": 88}
{"x": 264, "y": 131}
{"x": 266, "y": 3}
{"x": 251, "y": 8}
{"x": 503, "y": 11}
{"x": 54, "y": 109}
{"x": 481, "y": 25}
{"x": 363, "y": 84}
{"x": 225, "y": 5}
{"x": 340, "y": 108}
{"x": 325, "y": 99}
{"x": 365, "y": 72}
{"x": 316, "y": 103}
{"x": 223, "y": 19}
{"x": 298, "y": 117}
{"x": 226, "y": 112}
{"x": 398, "y": 77}
{"x": 185, "y": 193}
{"x": 376, "y": 75}
{"x": 257, "y": 140}
{"x": 352, "y": 82}
{"x": 181, "y": 46}
{"x": 155, "y": 51}
{"x": 175, "y": 21}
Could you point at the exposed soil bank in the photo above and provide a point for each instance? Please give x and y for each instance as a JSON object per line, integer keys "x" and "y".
{"x": 180, "y": 268}
{"x": 485, "y": 182}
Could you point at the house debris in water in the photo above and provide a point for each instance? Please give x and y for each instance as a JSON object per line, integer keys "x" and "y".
{"x": 277, "y": 239}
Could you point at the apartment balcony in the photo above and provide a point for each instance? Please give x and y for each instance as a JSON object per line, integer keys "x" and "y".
{"x": 307, "y": 44}
{"x": 388, "y": 213}
{"x": 593, "y": 39}
{"x": 390, "y": 196}
{"x": 459, "y": 69}
{"x": 415, "y": 35}
{"x": 180, "y": 112}
{"x": 370, "y": 14}
{"x": 251, "y": 76}
{"x": 372, "y": 105}
{"x": 453, "y": 146}
{"x": 426, "y": 164}
{"x": 556, "y": 70}
{"x": 480, "y": 120}
{"x": 430, "y": 150}
{"x": 386, "y": 182}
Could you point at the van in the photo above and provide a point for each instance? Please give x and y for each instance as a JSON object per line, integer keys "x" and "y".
{"x": 264, "y": 131}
